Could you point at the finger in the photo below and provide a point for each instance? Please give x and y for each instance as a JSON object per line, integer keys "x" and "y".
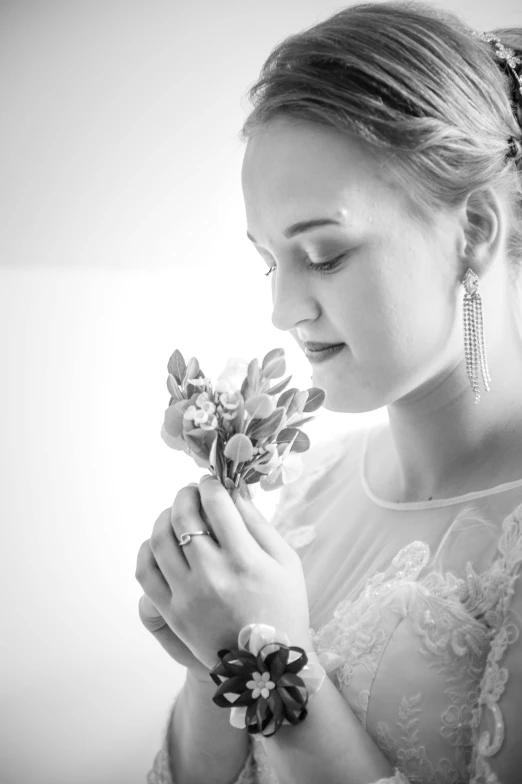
{"x": 261, "y": 530}
{"x": 188, "y": 514}
{"x": 150, "y": 615}
{"x": 151, "y": 578}
{"x": 233, "y": 535}
{"x": 186, "y": 517}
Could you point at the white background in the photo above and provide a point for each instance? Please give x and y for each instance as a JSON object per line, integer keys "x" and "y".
{"x": 122, "y": 237}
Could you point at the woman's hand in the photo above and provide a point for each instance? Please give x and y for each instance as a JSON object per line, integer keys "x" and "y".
{"x": 156, "y": 624}
{"x": 207, "y": 590}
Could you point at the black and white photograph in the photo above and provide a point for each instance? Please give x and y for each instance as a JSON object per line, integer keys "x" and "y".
{"x": 261, "y": 392}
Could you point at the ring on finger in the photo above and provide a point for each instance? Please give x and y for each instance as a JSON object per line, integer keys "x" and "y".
{"x": 186, "y": 537}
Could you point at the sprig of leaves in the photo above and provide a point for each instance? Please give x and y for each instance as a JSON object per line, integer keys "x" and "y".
{"x": 243, "y": 432}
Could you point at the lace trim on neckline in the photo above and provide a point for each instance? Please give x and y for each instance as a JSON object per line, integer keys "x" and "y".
{"x": 416, "y": 505}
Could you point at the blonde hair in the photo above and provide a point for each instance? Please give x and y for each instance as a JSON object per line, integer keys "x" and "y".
{"x": 411, "y": 82}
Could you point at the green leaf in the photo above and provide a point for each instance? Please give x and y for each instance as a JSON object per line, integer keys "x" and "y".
{"x": 301, "y": 442}
{"x": 177, "y": 366}
{"x": 199, "y": 447}
{"x": 191, "y": 371}
{"x": 253, "y": 476}
{"x": 253, "y": 375}
{"x": 173, "y": 387}
{"x": 175, "y": 442}
{"x": 217, "y": 460}
{"x": 245, "y": 389}
{"x": 174, "y": 418}
{"x": 259, "y": 429}
{"x": 279, "y": 387}
{"x": 212, "y": 455}
{"x": 272, "y": 481}
{"x": 298, "y": 403}
{"x": 316, "y": 398}
{"x": 275, "y": 368}
{"x": 276, "y": 353}
{"x": 192, "y": 391}
{"x": 286, "y": 398}
{"x": 239, "y": 449}
{"x": 260, "y": 406}
{"x": 197, "y": 432}
{"x": 206, "y": 438}
{"x": 302, "y": 422}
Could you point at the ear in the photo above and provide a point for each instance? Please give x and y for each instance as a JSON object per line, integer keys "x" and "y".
{"x": 484, "y": 222}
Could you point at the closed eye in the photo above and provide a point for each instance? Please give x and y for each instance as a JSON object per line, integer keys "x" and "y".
{"x": 323, "y": 266}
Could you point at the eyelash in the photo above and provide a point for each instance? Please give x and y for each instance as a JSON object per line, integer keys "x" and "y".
{"x": 323, "y": 267}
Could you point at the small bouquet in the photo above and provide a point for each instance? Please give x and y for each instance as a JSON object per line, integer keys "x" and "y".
{"x": 244, "y": 428}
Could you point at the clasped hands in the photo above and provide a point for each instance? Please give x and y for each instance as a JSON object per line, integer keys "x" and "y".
{"x": 198, "y": 597}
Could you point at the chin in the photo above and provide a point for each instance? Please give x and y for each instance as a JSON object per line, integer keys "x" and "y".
{"x": 338, "y": 401}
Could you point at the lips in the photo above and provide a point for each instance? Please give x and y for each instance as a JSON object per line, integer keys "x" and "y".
{"x": 312, "y": 345}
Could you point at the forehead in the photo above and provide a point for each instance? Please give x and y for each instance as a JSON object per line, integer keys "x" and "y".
{"x": 300, "y": 167}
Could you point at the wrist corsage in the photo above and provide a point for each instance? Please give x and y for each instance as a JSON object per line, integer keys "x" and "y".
{"x": 267, "y": 681}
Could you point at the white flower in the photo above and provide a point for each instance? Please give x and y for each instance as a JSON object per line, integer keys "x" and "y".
{"x": 211, "y": 424}
{"x": 205, "y": 404}
{"x": 200, "y": 417}
{"x": 232, "y": 376}
{"x": 261, "y": 685}
{"x": 230, "y": 400}
{"x": 190, "y": 413}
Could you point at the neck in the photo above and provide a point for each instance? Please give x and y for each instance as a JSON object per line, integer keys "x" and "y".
{"x": 447, "y": 445}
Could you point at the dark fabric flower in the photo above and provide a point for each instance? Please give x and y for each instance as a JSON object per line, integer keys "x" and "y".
{"x": 260, "y": 681}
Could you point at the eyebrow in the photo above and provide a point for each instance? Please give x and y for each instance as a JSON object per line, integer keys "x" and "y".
{"x": 302, "y": 226}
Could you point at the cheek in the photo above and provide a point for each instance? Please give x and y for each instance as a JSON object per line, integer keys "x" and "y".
{"x": 390, "y": 322}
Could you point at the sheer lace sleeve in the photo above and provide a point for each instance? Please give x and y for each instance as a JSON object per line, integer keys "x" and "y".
{"x": 160, "y": 772}
{"x": 497, "y": 734}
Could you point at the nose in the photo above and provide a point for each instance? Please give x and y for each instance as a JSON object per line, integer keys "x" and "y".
{"x": 292, "y": 299}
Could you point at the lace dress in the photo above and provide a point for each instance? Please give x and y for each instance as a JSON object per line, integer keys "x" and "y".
{"x": 415, "y": 613}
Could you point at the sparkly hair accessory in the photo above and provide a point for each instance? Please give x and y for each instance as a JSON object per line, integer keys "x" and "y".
{"x": 512, "y": 64}
{"x": 261, "y": 680}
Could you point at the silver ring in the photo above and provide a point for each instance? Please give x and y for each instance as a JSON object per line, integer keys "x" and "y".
{"x": 185, "y": 538}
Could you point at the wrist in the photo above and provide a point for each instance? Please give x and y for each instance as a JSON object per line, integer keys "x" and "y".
{"x": 200, "y": 678}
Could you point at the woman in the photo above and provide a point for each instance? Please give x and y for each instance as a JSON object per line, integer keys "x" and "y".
{"x": 383, "y": 187}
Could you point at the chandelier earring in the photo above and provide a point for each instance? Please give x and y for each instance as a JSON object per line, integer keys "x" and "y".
{"x": 474, "y": 343}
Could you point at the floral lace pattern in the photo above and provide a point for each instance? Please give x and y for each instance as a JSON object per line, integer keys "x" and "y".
{"x": 462, "y": 630}
{"x": 505, "y": 573}
{"x": 458, "y": 628}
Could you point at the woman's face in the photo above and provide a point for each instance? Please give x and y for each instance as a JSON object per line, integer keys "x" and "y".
{"x": 391, "y": 299}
